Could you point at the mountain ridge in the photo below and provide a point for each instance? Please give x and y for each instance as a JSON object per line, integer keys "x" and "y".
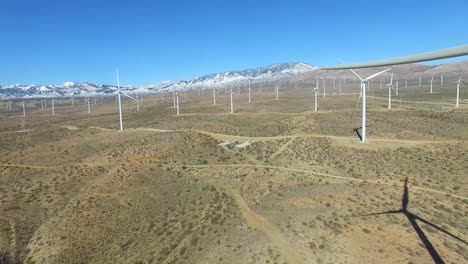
{"x": 290, "y": 71}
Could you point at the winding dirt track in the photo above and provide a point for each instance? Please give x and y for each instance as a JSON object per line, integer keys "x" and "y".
{"x": 256, "y": 138}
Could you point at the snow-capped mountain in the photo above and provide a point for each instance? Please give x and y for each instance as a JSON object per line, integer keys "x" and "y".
{"x": 219, "y": 80}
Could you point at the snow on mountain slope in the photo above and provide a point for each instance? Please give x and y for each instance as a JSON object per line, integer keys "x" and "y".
{"x": 218, "y": 80}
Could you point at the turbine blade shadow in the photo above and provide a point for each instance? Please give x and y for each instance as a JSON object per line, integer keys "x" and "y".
{"x": 430, "y": 248}
{"x": 387, "y": 212}
{"x": 439, "y": 228}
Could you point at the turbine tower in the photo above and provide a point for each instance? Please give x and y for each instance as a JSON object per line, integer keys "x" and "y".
{"x": 324, "y": 87}
{"x": 420, "y": 76}
{"x": 432, "y": 80}
{"x": 24, "y": 108}
{"x": 119, "y": 99}
{"x": 232, "y": 103}
{"x": 458, "y": 91}
{"x": 214, "y": 96}
{"x": 177, "y": 102}
{"x": 390, "y": 88}
{"x": 315, "y": 93}
{"x": 89, "y": 106}
{"x": 396, "y": 88}
{"x": 53, "y": 105}
{"x": 363, "y": 89}
{"x": 277, "y": 92}
{"x": 137, "y": 102}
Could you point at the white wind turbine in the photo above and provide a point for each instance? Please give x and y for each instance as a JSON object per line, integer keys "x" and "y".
{"x": 137, "y": 102}
{"x": 24, "y": 108}
{"x": 390, "y": 88}
{"x": 119, "y": 99}
{"x": 177, "y": 101}
{"x": 458, "y": 91}
{"x": 89, "y": 106}
{"x": 420, "y": 76}
{"x": 339, "y": 85}
{"x": 324, "y": 87}
{"x": 363, "y": 90}
{"x": 315, "y": 95}
{"x": 214, "y": 96}
{"x": 441, "y": 80}
{"x": 53, "y": 104}
{"x": 232, "y": 103}
{"x": 396, "y": 88}
{"x": 432, "y": 80}
{"x": 277, "y": 92}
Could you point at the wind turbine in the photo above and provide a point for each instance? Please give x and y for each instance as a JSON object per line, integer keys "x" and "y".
{"x": 390, "y": 88}
{"x": 441, "y": 80}
{"x": 177, "y": 101}
{"x": 214, "y": 96}
{"x": 315, "y": 93}
{"x": 396, "y": 88}
{"x": 119, "y": 99}
{"x": 363, "y": 90}
{"x": 232, "y": 103}
{"x": 432, "y": 80}
{"x": 324, "y": 87}
{"x": 420, "y": 76}
{"x": 339, "y": 85}
{"x": 277, "y": 92}
{"x": 53, "y": 103}
{"x": 24, "y": 108}
{"x": 458, "y": 91}
{"x": 89, "y": 106}
{"x": 138, "y": 102}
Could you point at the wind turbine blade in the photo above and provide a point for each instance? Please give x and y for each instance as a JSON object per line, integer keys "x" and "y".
{"x": 128, "y": 96}
{"x": 377, "y": 74}
{"x": 355, "y": 74}
{"x": 460, "y": 78}
{"x": 391, "y": 80}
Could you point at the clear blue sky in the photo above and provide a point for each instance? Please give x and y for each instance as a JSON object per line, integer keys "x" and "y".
{"x": 50, "y": 42}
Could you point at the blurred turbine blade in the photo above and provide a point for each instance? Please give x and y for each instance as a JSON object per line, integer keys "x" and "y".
{"x": 377, "y": 74}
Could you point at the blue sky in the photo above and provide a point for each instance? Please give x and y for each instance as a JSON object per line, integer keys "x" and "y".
{"x": 50, "y": 42}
